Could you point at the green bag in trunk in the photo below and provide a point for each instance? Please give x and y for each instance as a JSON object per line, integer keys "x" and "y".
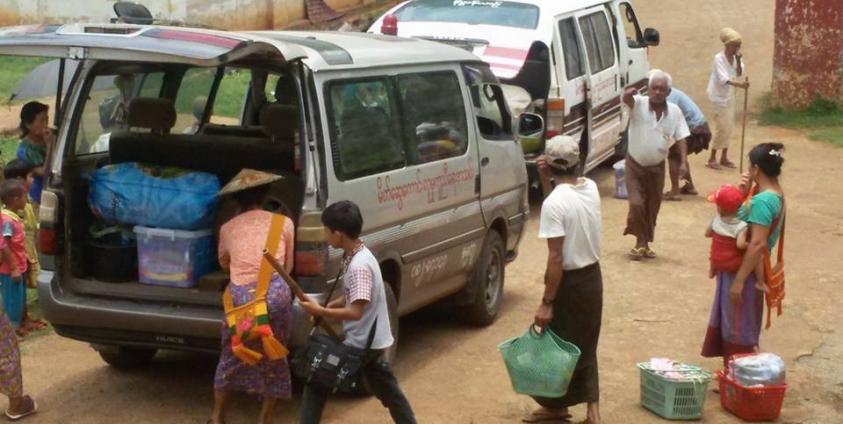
{"x": 540, "y": 364}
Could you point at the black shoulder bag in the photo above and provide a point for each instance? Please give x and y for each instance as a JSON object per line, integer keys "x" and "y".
{"x": 327, "y": 364}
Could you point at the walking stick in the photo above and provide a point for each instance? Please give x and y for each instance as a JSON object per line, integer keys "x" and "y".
{"x": 297, "y": 290}
{"x": 743, "y": 129}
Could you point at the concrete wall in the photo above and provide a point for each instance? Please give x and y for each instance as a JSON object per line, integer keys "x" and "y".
{"x": 228, "y": 14}
{"x": 808, "y": 52}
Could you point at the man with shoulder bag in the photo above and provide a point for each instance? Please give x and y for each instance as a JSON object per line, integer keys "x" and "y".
{"x": 363, "y": 311}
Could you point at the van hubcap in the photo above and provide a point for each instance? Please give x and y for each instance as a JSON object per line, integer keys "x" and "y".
{"x": 493, "y": 279}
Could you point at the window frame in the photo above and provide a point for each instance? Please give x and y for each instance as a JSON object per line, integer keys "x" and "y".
{"x": 625, "y": 9}
{"x": 572, "y": 23}
{"x": 485, "y": 79}
{"x": 587, "y": 23}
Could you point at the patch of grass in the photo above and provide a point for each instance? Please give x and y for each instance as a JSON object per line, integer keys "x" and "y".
{"x": 14, "y": 69}
{"x": 8, "y": 148}
{"x": 823, "y": 119}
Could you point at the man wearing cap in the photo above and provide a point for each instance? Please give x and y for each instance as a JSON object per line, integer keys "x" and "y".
{"x": 727, "y": 68}
{"x": 572, "y": 302}
{"x": 654, "y": 125}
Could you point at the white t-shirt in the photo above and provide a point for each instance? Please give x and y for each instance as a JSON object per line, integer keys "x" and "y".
{"x": 722, "y": 72}
{"x": 649, "y": 137}
{"x": 728, "y": 227}
{"x": 573, "y": 212}
{"x": 363, "y": 281}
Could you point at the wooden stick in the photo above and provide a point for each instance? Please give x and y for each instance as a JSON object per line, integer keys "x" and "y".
{"x": 743, "y": 129}
{"x": 297, "y": 291}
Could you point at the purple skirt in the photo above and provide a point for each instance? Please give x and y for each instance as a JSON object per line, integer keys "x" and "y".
{"x": 733, "y": 328}
{"x": 266, "y": 379}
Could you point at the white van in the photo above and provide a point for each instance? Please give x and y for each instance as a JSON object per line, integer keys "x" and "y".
{"x": 393, "y": 124}
{"x": 568, "y": 61}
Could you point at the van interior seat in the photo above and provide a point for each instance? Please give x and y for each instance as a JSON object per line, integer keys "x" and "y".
{"x": 222, "y": 155}
{"x": 279, "y": 121}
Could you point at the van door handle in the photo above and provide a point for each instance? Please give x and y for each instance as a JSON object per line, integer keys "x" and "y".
{"x": 484, "y": 161}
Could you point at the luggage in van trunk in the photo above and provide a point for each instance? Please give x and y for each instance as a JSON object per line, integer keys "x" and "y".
{"x": 114, "y": 254}
{"x": 174, "y": 258}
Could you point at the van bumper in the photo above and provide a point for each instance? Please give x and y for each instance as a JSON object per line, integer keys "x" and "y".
{"x": 123, "y": 322}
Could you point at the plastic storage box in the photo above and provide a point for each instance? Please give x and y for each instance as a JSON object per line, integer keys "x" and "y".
{"x": 174, "y": 258}
{"x": 674, "y": 399}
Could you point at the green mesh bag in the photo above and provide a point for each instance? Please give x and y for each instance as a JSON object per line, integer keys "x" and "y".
{"x": 540, "y": 364}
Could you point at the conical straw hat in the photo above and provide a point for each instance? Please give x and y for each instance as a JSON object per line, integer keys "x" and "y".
{"x": 248, "y": 178}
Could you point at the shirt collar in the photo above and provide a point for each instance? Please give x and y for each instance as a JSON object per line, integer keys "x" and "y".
{"x": 346, "y": 259}
{"x": 11, "y": 214}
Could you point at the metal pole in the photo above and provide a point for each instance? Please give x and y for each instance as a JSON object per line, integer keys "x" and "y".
{"x": 743, "y": 129}
{"x": 59, "y": 90}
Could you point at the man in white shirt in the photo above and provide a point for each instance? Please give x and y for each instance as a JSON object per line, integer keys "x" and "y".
{"x": 727, "y": 68}
{"x": 572, "y": 302}
{"x": 654, "y": 125}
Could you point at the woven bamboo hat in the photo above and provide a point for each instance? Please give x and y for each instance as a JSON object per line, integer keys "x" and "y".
{"x": 246, "y": 179}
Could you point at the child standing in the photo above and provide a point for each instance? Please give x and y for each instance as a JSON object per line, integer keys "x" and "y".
{"x": 13, "y": 262}
{"x": 361, "y": 308}
{"x": 729, "y": 235}
{"x": 11, "y": 381}
{"x": 23, "y": 172}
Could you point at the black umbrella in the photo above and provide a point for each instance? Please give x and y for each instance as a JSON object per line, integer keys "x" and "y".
{"x": 43, "y": 80}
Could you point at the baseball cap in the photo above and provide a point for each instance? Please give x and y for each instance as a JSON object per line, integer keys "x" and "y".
{"x": 562, "y": 152}
{"x": 727, "y": 197}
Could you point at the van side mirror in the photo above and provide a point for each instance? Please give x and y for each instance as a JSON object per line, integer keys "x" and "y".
{"x": 651, "y": 37}
{"x": 530, "y": 124}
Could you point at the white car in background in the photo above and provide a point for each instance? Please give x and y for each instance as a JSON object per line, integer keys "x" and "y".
{"x": 566, "y": 61}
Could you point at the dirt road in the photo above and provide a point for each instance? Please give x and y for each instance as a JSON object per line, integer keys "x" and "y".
{"x": 453, "y": 374}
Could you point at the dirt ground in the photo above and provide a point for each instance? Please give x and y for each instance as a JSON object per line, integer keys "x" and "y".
{"x": 454, "y": 374}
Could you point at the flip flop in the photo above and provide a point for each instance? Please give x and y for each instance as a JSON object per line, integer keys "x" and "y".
{"x": 713, "y": 165}
{"x": 636, "y": 253}
{"x": 541, "y": 417}
{"x": 728, "y": 164}
{"x": 647, "y": 253}
{"x": 671, "y": 197}
{"x": 33, "y": 409}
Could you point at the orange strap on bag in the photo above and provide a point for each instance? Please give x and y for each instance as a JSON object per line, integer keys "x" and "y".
{"x": 251, "y": 320}
{"x": 773, "y": 274}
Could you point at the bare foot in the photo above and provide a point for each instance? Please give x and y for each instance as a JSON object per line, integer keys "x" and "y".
{"x": 546, "y": 415}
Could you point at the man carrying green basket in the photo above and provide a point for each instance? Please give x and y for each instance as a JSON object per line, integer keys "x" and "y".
{"x": 572, "y": 303}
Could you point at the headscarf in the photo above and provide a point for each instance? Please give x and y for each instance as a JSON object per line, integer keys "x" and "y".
{"x": 729, "y": 36}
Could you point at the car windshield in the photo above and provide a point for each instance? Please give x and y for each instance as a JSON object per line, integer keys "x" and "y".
{"x": 472, "y": 12}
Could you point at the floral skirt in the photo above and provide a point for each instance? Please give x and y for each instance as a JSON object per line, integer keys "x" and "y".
{"x": 11, "y": 383}
{"x": 266, "y": 379}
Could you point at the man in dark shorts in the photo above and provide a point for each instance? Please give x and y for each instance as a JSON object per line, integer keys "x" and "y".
{"x": 697, "y": 142}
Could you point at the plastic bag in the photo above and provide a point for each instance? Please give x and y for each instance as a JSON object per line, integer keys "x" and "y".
{"x": 131, "y": 194}
{"x": 540, "y": 364}
{"x": 764, "y": 369}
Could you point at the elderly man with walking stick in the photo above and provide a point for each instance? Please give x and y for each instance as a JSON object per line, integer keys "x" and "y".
{"x": 654, "y": 125}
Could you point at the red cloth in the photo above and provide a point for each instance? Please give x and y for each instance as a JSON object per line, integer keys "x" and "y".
{"x": 725, "y": 255}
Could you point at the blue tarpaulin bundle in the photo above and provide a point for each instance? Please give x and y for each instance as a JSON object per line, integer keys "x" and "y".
{"x": 133, "y": 194}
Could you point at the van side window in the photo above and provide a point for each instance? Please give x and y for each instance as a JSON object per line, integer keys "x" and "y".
{"x": 433, "y": 122}
{"x": 574, "y": 66}
{"x": 634, "y": 38}
{"x": 365, "y": 130}
{"x": 192, "y": 99}
{"x": 493, "y": 118}
{"x": 598, "y": 41}
{"x": 230, "y": 97}
{"x": 107, "y": 107}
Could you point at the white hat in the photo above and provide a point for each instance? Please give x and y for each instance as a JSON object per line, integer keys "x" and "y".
{"x": 562, "y": 152}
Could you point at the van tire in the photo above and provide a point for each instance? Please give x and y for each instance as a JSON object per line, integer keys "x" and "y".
{"x": 363, "y": 387}
{"x": 486, "y": 283}
{"x": 127, "y": 358}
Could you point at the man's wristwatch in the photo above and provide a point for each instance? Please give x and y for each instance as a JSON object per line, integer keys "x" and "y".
{"x": 547, "y": 302}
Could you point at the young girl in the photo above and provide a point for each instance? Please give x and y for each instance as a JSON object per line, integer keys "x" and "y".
{"x": 36, "y": 138}
{"x": 13, "y": 263}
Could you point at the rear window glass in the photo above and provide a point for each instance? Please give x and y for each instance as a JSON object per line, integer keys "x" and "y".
{"x": 473, "y": 12}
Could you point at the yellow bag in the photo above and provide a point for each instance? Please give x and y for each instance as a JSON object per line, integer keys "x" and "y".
{"x": 250, "y": 321}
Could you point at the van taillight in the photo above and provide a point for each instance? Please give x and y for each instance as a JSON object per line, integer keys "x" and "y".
{"x": 555, "y": 117}
{"x": 311, "y": 251}
{"x": 48, "y": 215}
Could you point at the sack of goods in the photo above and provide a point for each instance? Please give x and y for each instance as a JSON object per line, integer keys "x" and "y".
{"x": 540, "y": 364}
{"x": 763, "y": 369}
{"x": 152, "y": 196}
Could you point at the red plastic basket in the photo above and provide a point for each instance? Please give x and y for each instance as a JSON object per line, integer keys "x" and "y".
{"x": 751, "y": 403}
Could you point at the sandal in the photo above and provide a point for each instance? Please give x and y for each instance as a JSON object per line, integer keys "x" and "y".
{"x": 671, "y": 196}
{"x": 636, "y": 253}
{"x": 33, "y": 408}
{"x": 713, "y": 165}
{"x": 542, "y": 415}
{"x": 648, "y": 253}
{"x": 689, "y": 191}
{"x": 728, "y": 164}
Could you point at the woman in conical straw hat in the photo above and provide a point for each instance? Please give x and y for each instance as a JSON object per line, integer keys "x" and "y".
{"x": 726, "y": 73}
{"x": 241, "y": 243}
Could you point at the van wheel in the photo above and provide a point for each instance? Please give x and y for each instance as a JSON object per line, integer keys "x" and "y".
{"x": 487, "y": 282}
{"x": 127, "y": 358}
{"x": 363, "y": 387}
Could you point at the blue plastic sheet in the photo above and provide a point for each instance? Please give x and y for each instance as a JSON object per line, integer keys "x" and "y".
{"x": 132, "y": 194}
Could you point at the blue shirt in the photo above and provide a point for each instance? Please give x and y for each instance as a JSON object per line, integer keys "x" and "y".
{"x": 33, "y": 155}
{"x": 693, "y": 115}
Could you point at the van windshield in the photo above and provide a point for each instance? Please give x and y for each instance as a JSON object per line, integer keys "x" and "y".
{"x": 472, "y": 12}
